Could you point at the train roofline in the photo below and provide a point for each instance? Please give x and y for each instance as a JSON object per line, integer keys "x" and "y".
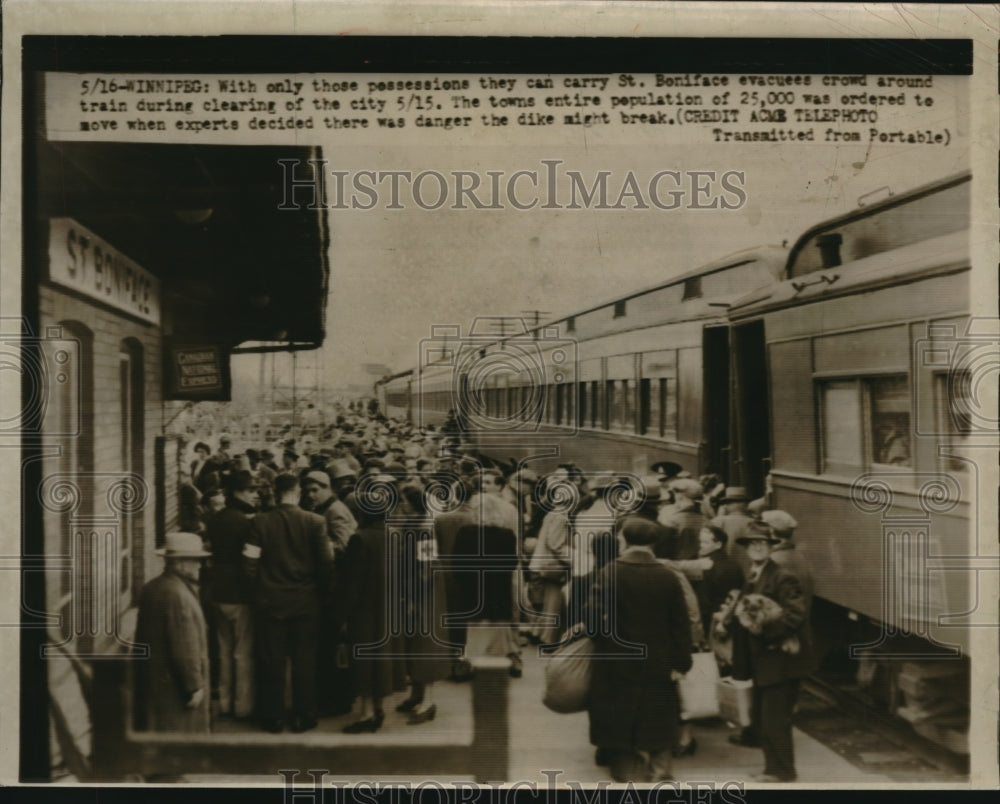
{"x": 949, "y": 253}
{"x": 864, "y": 212}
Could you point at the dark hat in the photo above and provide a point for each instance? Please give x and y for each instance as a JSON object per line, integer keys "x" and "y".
{"x": 756, "y": 531}
{"x": 202, "y": 445}
{"x": 241, "y": 481}
{"x": 284, "y": 483}
{"x": 636, "y": 530}
{"x": 669, "y": 468}
{"x": 266, "y": 453}
{"x": 291, "y": 453}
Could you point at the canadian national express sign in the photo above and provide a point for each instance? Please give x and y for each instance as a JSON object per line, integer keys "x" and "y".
{"x": 196, "y": 372}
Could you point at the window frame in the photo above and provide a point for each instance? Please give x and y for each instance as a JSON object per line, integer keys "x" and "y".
{"x": 863, "y": 386}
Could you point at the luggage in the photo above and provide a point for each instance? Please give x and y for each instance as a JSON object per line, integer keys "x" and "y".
{"x": 567, "y": 677}
{"x": 735, "y": 700}
{"x": 698, "y": 690}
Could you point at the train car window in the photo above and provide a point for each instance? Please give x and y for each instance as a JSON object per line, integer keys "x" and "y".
{"x": 571, "y": 324}
{"x": 569, "y": 409}
{"x": 953, "y": 399}
{"x": 619, "y": 309}
{"x": 890, "y": 420}
{"x": 842, "y": 432}
{"x": 648, "y": 424}
{"x": 596, "y": 414}
{"x": 612, "y": 408}
{"x": 582, "y": 408}
{"x": 621, "y": 407}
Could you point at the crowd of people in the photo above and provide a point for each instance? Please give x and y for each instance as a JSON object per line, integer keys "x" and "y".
{"x": 376, "y": 558}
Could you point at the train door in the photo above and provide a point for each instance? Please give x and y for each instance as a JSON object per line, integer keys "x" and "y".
{"x": 715, "y": 444}
{"x": 751, "y": 437}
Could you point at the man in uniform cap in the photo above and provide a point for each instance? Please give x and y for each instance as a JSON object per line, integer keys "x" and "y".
{"x": 172, "y": 684}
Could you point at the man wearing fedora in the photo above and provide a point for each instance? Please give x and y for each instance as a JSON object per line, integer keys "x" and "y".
{"x": 783, "y": 526}
{"x": 763, "y": 654}
{"x": 172, "y": 684}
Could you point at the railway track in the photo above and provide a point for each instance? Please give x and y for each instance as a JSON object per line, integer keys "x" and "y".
{"x": 843, "y": 719}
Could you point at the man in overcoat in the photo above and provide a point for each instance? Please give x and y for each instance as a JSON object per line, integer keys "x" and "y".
{"x": 776, "y": 653}
{"x": 290, "y": 554}
{"x": 172, "y": 683}
{"x": 230, "y": 591}
{"x": 639, "y": 622}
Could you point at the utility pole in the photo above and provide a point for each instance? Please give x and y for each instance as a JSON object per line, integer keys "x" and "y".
{"x": 294, "y": 356}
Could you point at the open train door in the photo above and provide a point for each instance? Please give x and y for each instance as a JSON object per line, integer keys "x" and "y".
{"x": 751, "y": 434}
{"x": 716, "y": 450}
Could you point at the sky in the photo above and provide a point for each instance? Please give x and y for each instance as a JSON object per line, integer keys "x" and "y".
{"x": 396, "y": 273}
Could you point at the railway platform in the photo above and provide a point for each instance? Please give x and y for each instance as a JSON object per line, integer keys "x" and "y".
{"x": 549, "y": 749}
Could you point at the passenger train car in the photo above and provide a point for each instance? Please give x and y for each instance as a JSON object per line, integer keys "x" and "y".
{"x": 819, "y": 376}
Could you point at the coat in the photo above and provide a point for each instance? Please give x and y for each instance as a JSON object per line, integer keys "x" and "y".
{"x": 364, "y": 603}
{"x": 424, "y": 604}
{"x": 227, "y": 532}
{"x": 296, "y": 561}
{"x": 716, "y": 584}
{"x": 340, "y": 523}
{"x": 633, "y": 703}
{"x": 688, "y": 525}
{"x": 761, "y": 657}
{"x": 172, "y": 625}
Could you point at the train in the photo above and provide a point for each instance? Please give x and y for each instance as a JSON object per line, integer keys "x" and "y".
{"x": 833, "y": 377}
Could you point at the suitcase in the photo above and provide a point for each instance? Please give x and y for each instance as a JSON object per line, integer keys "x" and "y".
{"x": 735, "y": 700}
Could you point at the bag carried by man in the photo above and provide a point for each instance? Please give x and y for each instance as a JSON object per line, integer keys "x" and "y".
{"x": 567, "y": 677}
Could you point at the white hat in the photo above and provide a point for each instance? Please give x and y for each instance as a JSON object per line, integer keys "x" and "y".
{"x": 183, "y": 545}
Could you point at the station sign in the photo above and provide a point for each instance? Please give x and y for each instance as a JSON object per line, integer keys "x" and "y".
{"x": 81, "y": 261}
{"x": 197, "y": 372}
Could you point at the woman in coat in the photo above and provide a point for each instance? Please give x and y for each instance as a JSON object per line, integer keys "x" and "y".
{"x": 636, "y": 607}
{"x": 424, "y": 604}
{"x": 365, "y": 605}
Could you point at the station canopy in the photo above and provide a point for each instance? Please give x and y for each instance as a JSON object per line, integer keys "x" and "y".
{"x": 206, "y": 220}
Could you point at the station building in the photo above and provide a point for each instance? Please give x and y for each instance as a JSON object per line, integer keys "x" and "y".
{"x": 146, "y": 268}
